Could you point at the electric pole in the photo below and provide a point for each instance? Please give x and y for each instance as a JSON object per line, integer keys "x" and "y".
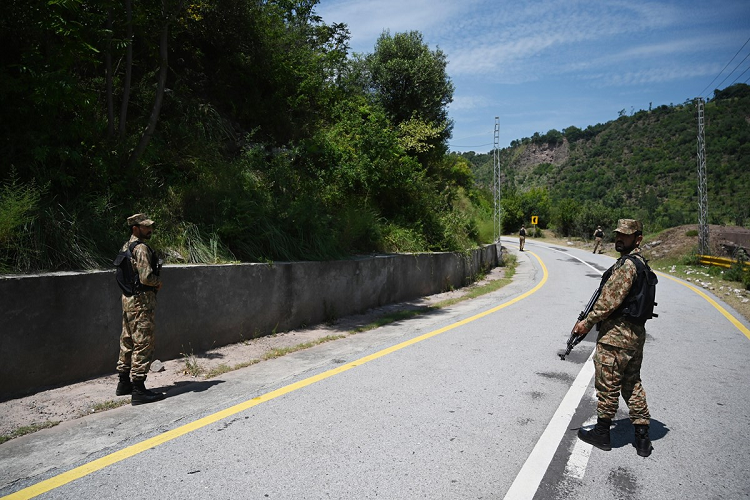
{"x": 703, "y": 247}
{"x": 496, "y": 179}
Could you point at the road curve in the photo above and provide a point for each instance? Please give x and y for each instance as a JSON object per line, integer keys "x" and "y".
{"x": 468, "y": 402}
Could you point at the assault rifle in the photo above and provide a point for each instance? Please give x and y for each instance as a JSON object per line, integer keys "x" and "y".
{"x": 574, "y": 338}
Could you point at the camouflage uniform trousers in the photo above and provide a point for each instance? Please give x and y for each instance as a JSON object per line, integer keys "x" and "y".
{"x": 137, "y": 342}
{"x": 598, "y": 244}
{"x": 618, "y": 371}
{"x": 521, "y": 241}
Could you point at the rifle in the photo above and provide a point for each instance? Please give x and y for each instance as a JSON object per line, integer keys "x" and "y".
{"x": 574, "y": 338}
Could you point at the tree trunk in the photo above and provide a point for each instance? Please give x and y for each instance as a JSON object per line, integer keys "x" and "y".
{"x": 128, "y": 68}
{"x": 108, "y": 69}
{"x": 149, "y": 132}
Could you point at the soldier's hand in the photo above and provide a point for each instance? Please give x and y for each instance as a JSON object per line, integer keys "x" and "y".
{"x": 580, "y": 328}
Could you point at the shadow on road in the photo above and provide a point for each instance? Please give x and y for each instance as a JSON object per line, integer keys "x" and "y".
{"x": 182, "y": 387}
{"x": 623, "y": 432}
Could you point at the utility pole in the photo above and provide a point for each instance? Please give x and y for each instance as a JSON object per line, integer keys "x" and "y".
{"x": 496, "y": 179}
{"x": 703, "y": 247}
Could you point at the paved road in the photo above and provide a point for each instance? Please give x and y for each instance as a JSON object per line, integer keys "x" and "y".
{"x": 468, "y": 402}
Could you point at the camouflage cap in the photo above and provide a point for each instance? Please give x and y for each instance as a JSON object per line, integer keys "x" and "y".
{"x": 628, "y": 226}
{"x": 139, "y": 220}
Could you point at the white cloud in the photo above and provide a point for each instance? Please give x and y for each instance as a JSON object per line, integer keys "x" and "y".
{"x": 368, "y": 19}
{"x": 660, "y": 74}
{"x": 470, "y": 102}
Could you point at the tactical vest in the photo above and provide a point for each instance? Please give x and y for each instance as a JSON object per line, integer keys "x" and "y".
{"x": 127, "y": 277}
{"x": 638, "y": 306}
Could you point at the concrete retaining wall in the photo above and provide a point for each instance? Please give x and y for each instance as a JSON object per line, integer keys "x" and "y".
{"x": 61, "y": 328}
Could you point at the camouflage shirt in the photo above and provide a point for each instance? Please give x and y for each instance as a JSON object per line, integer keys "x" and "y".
{"x": 617, "y": 331}
{"x": 142, "y": 264}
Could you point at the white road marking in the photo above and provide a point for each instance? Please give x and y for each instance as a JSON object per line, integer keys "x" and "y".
{"x": 579, "y": 457}
{"x": 580, "y": 260}
{"x": 530, "y": 477}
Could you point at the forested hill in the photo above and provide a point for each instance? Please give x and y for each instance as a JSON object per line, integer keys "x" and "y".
{"x": 644, "y": 165}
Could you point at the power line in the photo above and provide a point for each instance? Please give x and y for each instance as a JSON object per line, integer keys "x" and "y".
{"x": 735, "y": 69}
{"x": 474, "y": 146}
{"x": 740, "y": 76}
{"x": 725, "y": 67}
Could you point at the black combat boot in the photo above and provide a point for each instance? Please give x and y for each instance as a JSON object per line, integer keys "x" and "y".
{"x": 599, "y": 435}
{"x": 124, "y": 386}
{"x": 642, "y": 441}
{"x": 141, "y": 395}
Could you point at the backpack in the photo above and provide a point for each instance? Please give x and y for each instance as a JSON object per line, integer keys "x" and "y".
{"x": 638, "y": 306}
{"x": 127, "y": 277}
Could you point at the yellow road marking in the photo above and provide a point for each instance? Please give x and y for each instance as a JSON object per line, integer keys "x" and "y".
{"x": 101, "y": 463}
{"x": 711, "y": 301}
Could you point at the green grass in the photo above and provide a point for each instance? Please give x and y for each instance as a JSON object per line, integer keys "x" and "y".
{"x": 27, "y": 429}
{"x": 223, "y": 368}
{"x": 192, "y": 367}
{"x": 283, "y": 351}
{"x": 391, "y": 318}
{"x": 109, "y": 405}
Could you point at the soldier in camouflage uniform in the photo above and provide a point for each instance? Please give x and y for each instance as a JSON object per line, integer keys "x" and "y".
{"x": 598, "y": 235}
{"x": 138, "y": 314}
{"x": 619, "y": 347}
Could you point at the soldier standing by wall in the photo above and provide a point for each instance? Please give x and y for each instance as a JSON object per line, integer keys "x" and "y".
{"x": 619, "y": 347}
{"x": 522, "y": 236}
{"x": 598, "y": 235}
{"x": 138, "y": 315}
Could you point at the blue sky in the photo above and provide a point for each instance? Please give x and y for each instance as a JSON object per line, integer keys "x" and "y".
{"x": 549, "y": 64}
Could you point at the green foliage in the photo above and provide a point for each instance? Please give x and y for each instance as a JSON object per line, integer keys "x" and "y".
{"x": 739, "y": 272}
{"x": 271, "y": 142}
{"x": 19, "y": 205}
{"x": 518, "y": 208}
{"x": 411, "y": 84}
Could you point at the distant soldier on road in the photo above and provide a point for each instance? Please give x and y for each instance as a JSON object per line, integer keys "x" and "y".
{"x": 598, "y": 235}
{"x": 522, "y": 236}
{"x": 619, "y": 347}
{"x": 138, "y": 315}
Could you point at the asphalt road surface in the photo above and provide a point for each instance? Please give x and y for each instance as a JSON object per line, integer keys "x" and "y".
{"x": 468, "y": 402}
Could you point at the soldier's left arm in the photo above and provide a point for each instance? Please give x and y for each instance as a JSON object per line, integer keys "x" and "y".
{"x": 142, "y": 257}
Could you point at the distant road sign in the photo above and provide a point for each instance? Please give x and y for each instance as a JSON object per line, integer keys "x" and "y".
{"x": 534, "y": 219}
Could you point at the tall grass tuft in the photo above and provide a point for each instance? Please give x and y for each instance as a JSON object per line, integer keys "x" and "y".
{"x": 208, "y": 250}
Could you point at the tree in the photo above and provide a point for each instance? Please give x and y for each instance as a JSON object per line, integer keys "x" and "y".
{"x": 410, "y": 82}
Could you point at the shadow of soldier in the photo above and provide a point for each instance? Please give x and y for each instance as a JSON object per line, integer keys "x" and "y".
{"x": 623, "y": 433}
{"x": 182, "y": 387}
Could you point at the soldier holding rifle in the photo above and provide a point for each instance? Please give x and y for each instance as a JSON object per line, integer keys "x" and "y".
{"x": 620, "y": 341}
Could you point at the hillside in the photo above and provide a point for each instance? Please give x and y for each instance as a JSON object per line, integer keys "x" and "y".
{"x": 645, "y": 163}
